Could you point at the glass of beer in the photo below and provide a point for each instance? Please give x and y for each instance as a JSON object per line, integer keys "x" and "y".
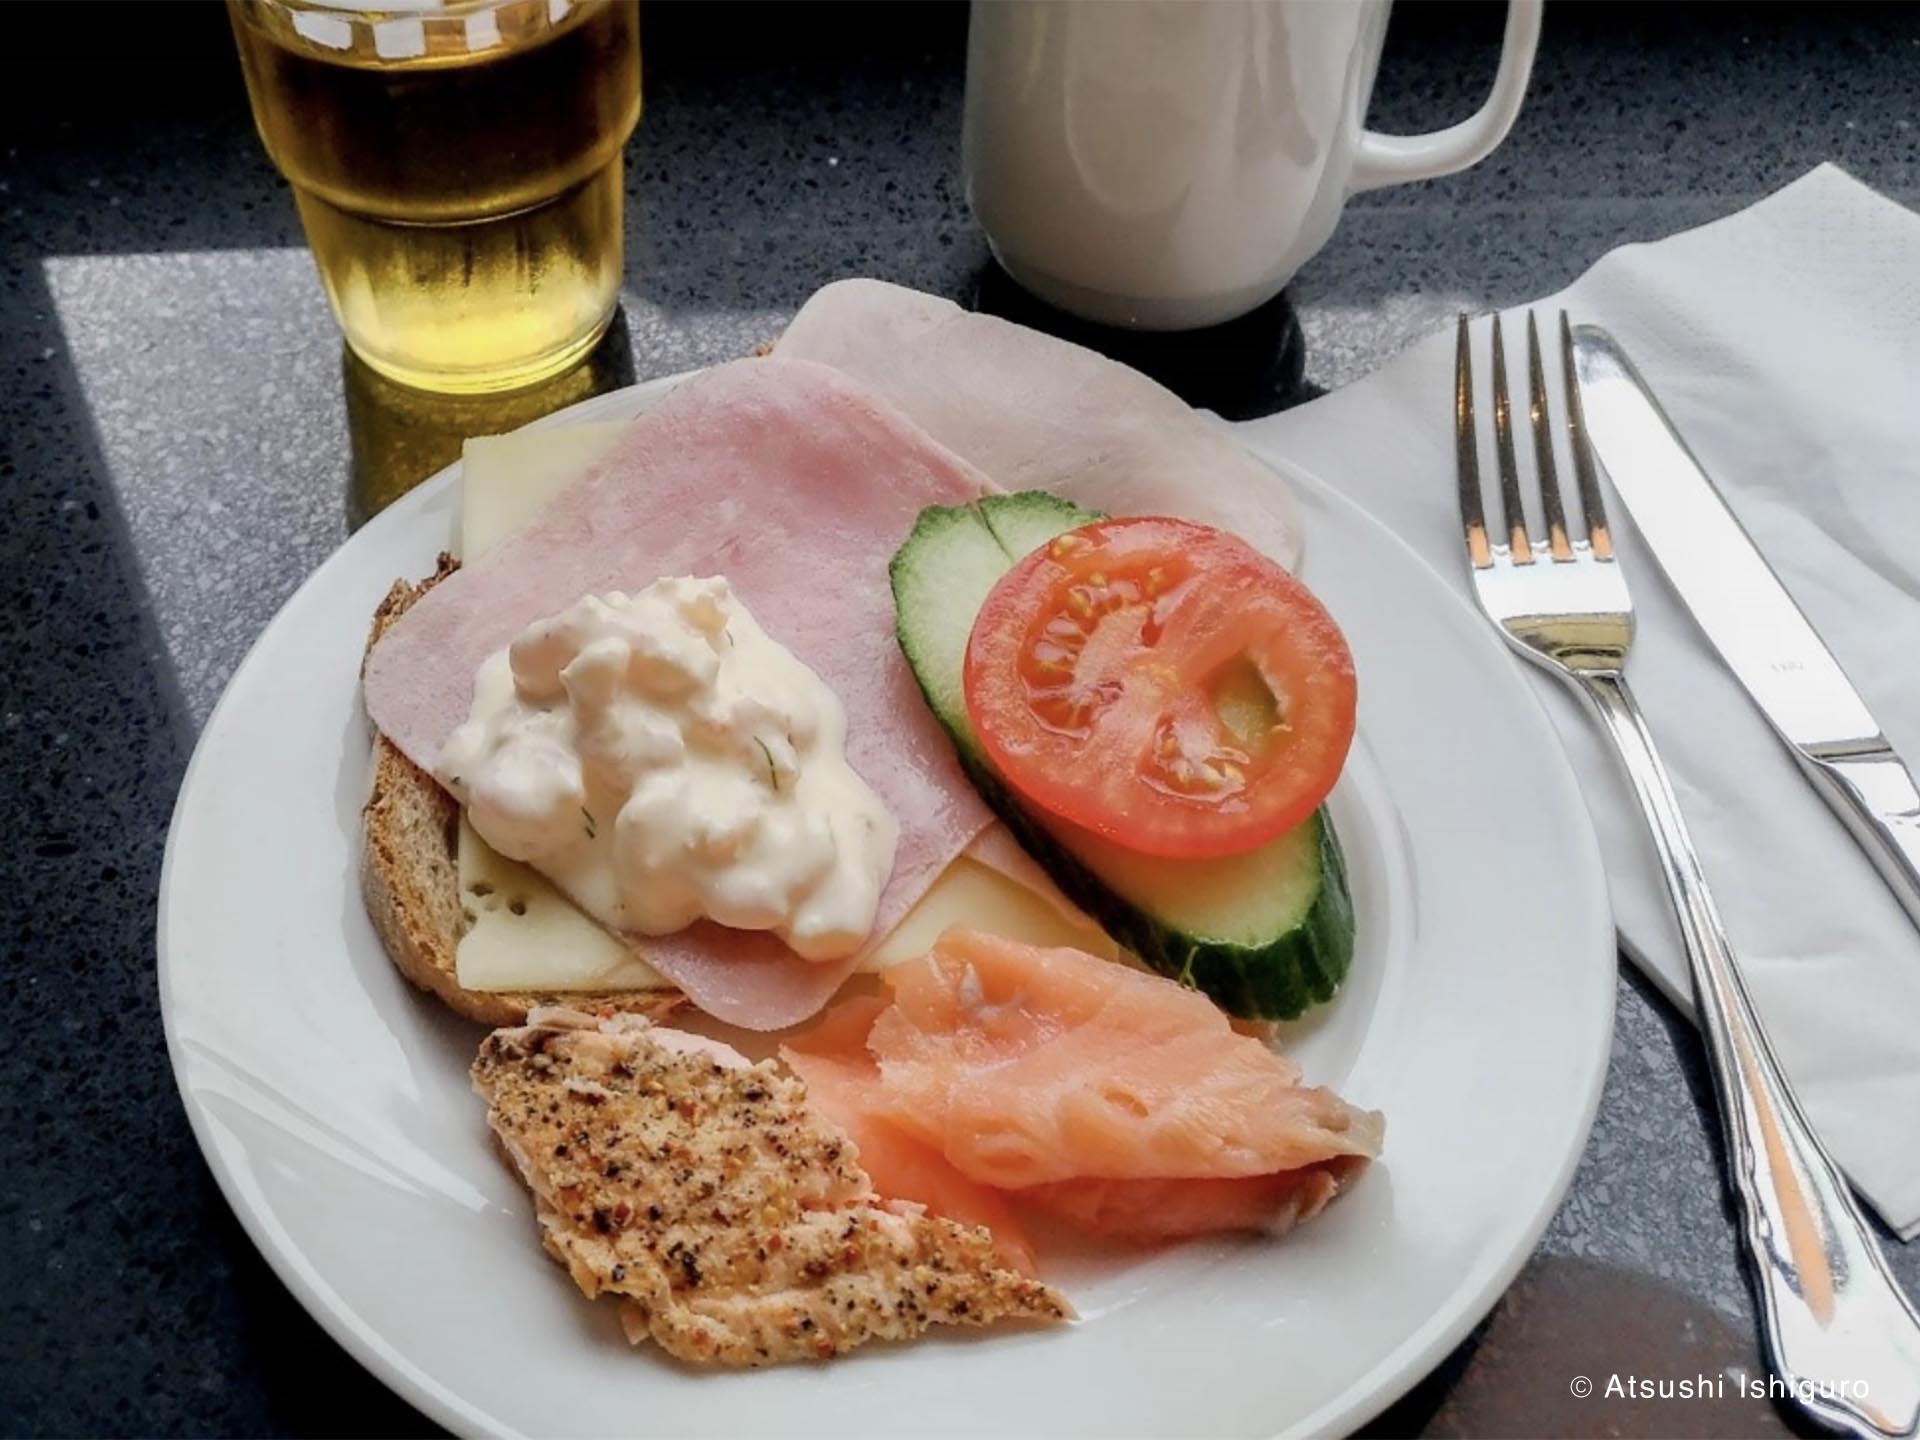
{"x": 458, "y": 170}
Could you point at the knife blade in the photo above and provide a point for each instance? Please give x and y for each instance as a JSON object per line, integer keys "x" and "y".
{"x": 1755, "y": 625}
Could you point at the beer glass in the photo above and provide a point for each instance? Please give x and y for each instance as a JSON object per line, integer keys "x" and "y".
{"x": 458, "y": 172}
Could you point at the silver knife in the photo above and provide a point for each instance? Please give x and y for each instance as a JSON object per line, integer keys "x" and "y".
{"x": 1747, "y": 613}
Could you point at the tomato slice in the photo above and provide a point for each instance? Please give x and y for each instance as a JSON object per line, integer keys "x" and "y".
{"x": 1163, "y": 684}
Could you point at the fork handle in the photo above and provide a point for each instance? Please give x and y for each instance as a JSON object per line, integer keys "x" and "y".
{"x": 1838, "y": 1330}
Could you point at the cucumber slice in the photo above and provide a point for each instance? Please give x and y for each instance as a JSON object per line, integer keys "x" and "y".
{"x": 941, "y": 575}
{"x": 1266, "y": 934}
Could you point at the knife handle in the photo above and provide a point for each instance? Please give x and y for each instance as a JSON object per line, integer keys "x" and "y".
{"x": 1873, "y": 792}
{"x": 1837, "y": 1327}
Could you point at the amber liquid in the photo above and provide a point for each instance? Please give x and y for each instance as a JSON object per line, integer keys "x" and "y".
{"x": 459, "y": 177}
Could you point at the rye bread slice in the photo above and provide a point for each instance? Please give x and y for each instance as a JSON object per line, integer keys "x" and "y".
{"x": 410, "y": 879}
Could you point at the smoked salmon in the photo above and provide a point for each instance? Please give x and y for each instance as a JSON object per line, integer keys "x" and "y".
{"x": 1115, "y": 1098}
{"x": 842, "y": 1080}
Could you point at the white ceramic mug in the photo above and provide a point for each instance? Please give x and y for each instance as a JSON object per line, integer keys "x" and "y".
{"x": 1168, "y": 164}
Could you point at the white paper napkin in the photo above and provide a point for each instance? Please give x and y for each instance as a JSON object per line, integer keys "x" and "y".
{"x": 1784, "y": 342}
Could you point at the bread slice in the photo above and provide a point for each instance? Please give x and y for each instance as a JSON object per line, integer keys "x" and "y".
{"x": 410, "y": 879}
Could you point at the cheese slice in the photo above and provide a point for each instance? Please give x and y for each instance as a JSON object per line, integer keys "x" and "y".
{"x": 505, "y": 480}
{"x": 524, "y": 935}
{"x": 970, "y": 893}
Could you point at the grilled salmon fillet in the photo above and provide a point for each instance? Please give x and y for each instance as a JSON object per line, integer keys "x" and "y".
{"x": 733, "y": 1221}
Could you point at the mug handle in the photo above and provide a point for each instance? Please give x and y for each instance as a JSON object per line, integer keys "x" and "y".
{"x": 1394, "y": 159}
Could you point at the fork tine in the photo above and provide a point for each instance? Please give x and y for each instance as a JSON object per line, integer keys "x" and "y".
{"x": 1593, "y": 513}
{"x": 1467, "y": 451}
{"x": 1543, "y": 447}
{"x": 1513, "y": 515}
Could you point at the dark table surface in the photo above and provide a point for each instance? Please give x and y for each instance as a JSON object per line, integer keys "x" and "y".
{"x": 179, "y": 442}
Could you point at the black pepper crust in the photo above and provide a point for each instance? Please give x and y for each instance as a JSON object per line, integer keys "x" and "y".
{"x": 735, "y": 1224}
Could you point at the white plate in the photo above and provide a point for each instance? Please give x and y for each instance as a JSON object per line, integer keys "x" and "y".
{"x": 331, "y": 1100}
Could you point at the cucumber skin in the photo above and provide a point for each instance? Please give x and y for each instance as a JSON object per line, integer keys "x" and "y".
{"x": 1278, "y": 980}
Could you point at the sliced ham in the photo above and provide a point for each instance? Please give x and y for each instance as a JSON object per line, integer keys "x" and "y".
{"x": 1035, "y": 413}
{"x": 796, "y": 484}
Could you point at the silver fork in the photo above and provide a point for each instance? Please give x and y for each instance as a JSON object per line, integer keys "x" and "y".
{"x": 1842, "y": 1337}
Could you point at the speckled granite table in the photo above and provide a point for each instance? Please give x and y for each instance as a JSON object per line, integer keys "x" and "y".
{"x": 175, "y": 446}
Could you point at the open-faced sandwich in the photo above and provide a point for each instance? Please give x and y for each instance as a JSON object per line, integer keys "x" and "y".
{"x": 927, "y": 710}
